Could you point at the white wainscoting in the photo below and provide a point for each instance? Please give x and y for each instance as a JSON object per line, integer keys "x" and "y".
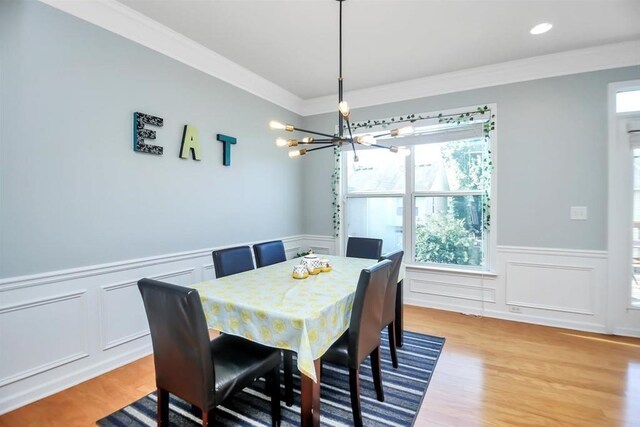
{"x": 60, "y": 328}
{"x": 555, "y": 287}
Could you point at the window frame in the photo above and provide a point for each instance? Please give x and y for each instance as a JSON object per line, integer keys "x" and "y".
{"x": 409, "y": 204}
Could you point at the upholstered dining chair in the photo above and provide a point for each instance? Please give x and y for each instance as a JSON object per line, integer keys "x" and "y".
{"x": 232, "y": 261}
{"x": 268, "y": 253}
{"x": 362, "y": 339}
{"x": 363, "y": 247}
{"x": 389, "y": 311}
{"x": 189, "y": 365}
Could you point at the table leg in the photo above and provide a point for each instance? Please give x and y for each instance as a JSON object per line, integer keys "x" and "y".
{"x": 398, "y": 322}
{"x": 310, "y": 398}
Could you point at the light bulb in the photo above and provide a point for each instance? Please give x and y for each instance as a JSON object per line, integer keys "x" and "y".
{"x": 343, "y": 107}
{"x": 297, "y": 153}
{"x": 281, "y": 142}
{"x": 276, "y": 125}
{"x": 365, "y": 139}
{"x": 307, "y": 140}
{"x": 292, "y": 142}
{"x": 393, "y": 149}
{"x": 407, "y": 130}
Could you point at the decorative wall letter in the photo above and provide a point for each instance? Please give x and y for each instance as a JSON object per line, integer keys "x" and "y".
{"x": 190, "y": 142}
{"x": 140, "y": 133}
{"x": 226, "y": 149}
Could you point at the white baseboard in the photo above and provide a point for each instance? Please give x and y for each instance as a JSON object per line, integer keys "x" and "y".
{"x": 41, "y": 391}
{"x": 627, "y": 332}
{"x": 496, "y": 314}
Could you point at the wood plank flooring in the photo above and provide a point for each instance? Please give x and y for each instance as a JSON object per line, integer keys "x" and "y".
{"x": 491, "y": 373}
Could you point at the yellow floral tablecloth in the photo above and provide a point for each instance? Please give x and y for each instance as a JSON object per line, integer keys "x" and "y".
{"x": 270, "y": 307}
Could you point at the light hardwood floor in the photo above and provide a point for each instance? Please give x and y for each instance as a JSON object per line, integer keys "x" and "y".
{"x": 491, "y": 373}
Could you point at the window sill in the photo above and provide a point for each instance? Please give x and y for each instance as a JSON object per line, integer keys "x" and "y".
{"x": 477, "y": 273}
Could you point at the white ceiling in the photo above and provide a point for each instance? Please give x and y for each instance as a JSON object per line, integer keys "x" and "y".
{"x": 294, "y": 43}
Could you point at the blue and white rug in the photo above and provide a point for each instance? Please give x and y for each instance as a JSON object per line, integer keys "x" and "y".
{"x": 404, "y": 389}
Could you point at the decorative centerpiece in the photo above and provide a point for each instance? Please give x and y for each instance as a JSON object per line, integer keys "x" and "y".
{"x": 300, "y": 272}
{"x": 312, "y": 263}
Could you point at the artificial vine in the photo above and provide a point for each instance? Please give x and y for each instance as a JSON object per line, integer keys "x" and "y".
{"x": 335, "y": 188}
{"x": 487, "y": 163}
{"x": 457, "y": 118}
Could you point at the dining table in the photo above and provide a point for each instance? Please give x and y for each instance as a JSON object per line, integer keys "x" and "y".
{"x": 268, "y": 306}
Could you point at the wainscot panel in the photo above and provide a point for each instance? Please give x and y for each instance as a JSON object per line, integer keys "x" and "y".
{"x": 555, "y": 287}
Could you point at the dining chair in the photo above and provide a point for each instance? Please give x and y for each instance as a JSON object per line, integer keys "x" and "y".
{"x": 362, "y": 339}
{"x": 268, "y": 253}
{"x": 232, "y": 261}
{"x": 363, "y": 247}
{"x": 389, "y": 311}
{"x": 188, "y": 364}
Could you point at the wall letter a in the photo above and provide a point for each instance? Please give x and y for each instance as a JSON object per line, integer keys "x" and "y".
{"x": 190, "y": 142}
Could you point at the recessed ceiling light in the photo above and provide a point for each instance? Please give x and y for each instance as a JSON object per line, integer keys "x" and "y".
{"x": 541, "y": 28}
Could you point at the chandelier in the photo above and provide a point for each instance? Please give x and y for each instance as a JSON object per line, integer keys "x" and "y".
{"x": 326, "y": 140}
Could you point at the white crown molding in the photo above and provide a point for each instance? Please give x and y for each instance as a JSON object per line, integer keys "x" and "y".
{"x": 126, "y": 22}
{"x": 539, "y": 67}
{"x": 130, "y": 24}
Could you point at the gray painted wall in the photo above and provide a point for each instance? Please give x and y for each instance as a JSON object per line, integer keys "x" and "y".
{"x": 552, "y": 154}
{"x": 72, "y": 190}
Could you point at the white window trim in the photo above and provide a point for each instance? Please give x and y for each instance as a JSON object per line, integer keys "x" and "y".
{"x": 490, "y": 240}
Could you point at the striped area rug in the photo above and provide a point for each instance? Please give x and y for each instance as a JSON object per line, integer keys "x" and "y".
{"x": 404, "y": 389}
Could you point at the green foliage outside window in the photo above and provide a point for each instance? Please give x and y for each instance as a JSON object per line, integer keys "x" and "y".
{"x": 456, "y": 235}
{"x": 446, "y": 240}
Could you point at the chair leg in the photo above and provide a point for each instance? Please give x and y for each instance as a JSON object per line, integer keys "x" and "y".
{"x": 354, "y": 391}
{"x": 208, "y": 418}
{"x": 275, "y": 397}
{"x": 288, "y": 377}
{"x": 376, "y": 369}
{"x": 163, "y": 408}
{"x": 392, "y": 344}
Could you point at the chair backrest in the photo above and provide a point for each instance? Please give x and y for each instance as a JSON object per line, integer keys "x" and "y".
{"x": 180, "y": 339}
{"x": 232, "y": 260}
{"x": 366, "y": 315}
{"x": 268, "y": 253}
{"x": 389, "y": 312}
{"x": 363, "y": 247}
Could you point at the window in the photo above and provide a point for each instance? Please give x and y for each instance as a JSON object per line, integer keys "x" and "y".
{"x": 430, "y": 203}
{"x": 376, "y": 186}
{"x": 628, "y": 101}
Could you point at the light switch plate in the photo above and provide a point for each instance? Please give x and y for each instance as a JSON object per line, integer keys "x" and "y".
{"x": 578, "y": 213}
